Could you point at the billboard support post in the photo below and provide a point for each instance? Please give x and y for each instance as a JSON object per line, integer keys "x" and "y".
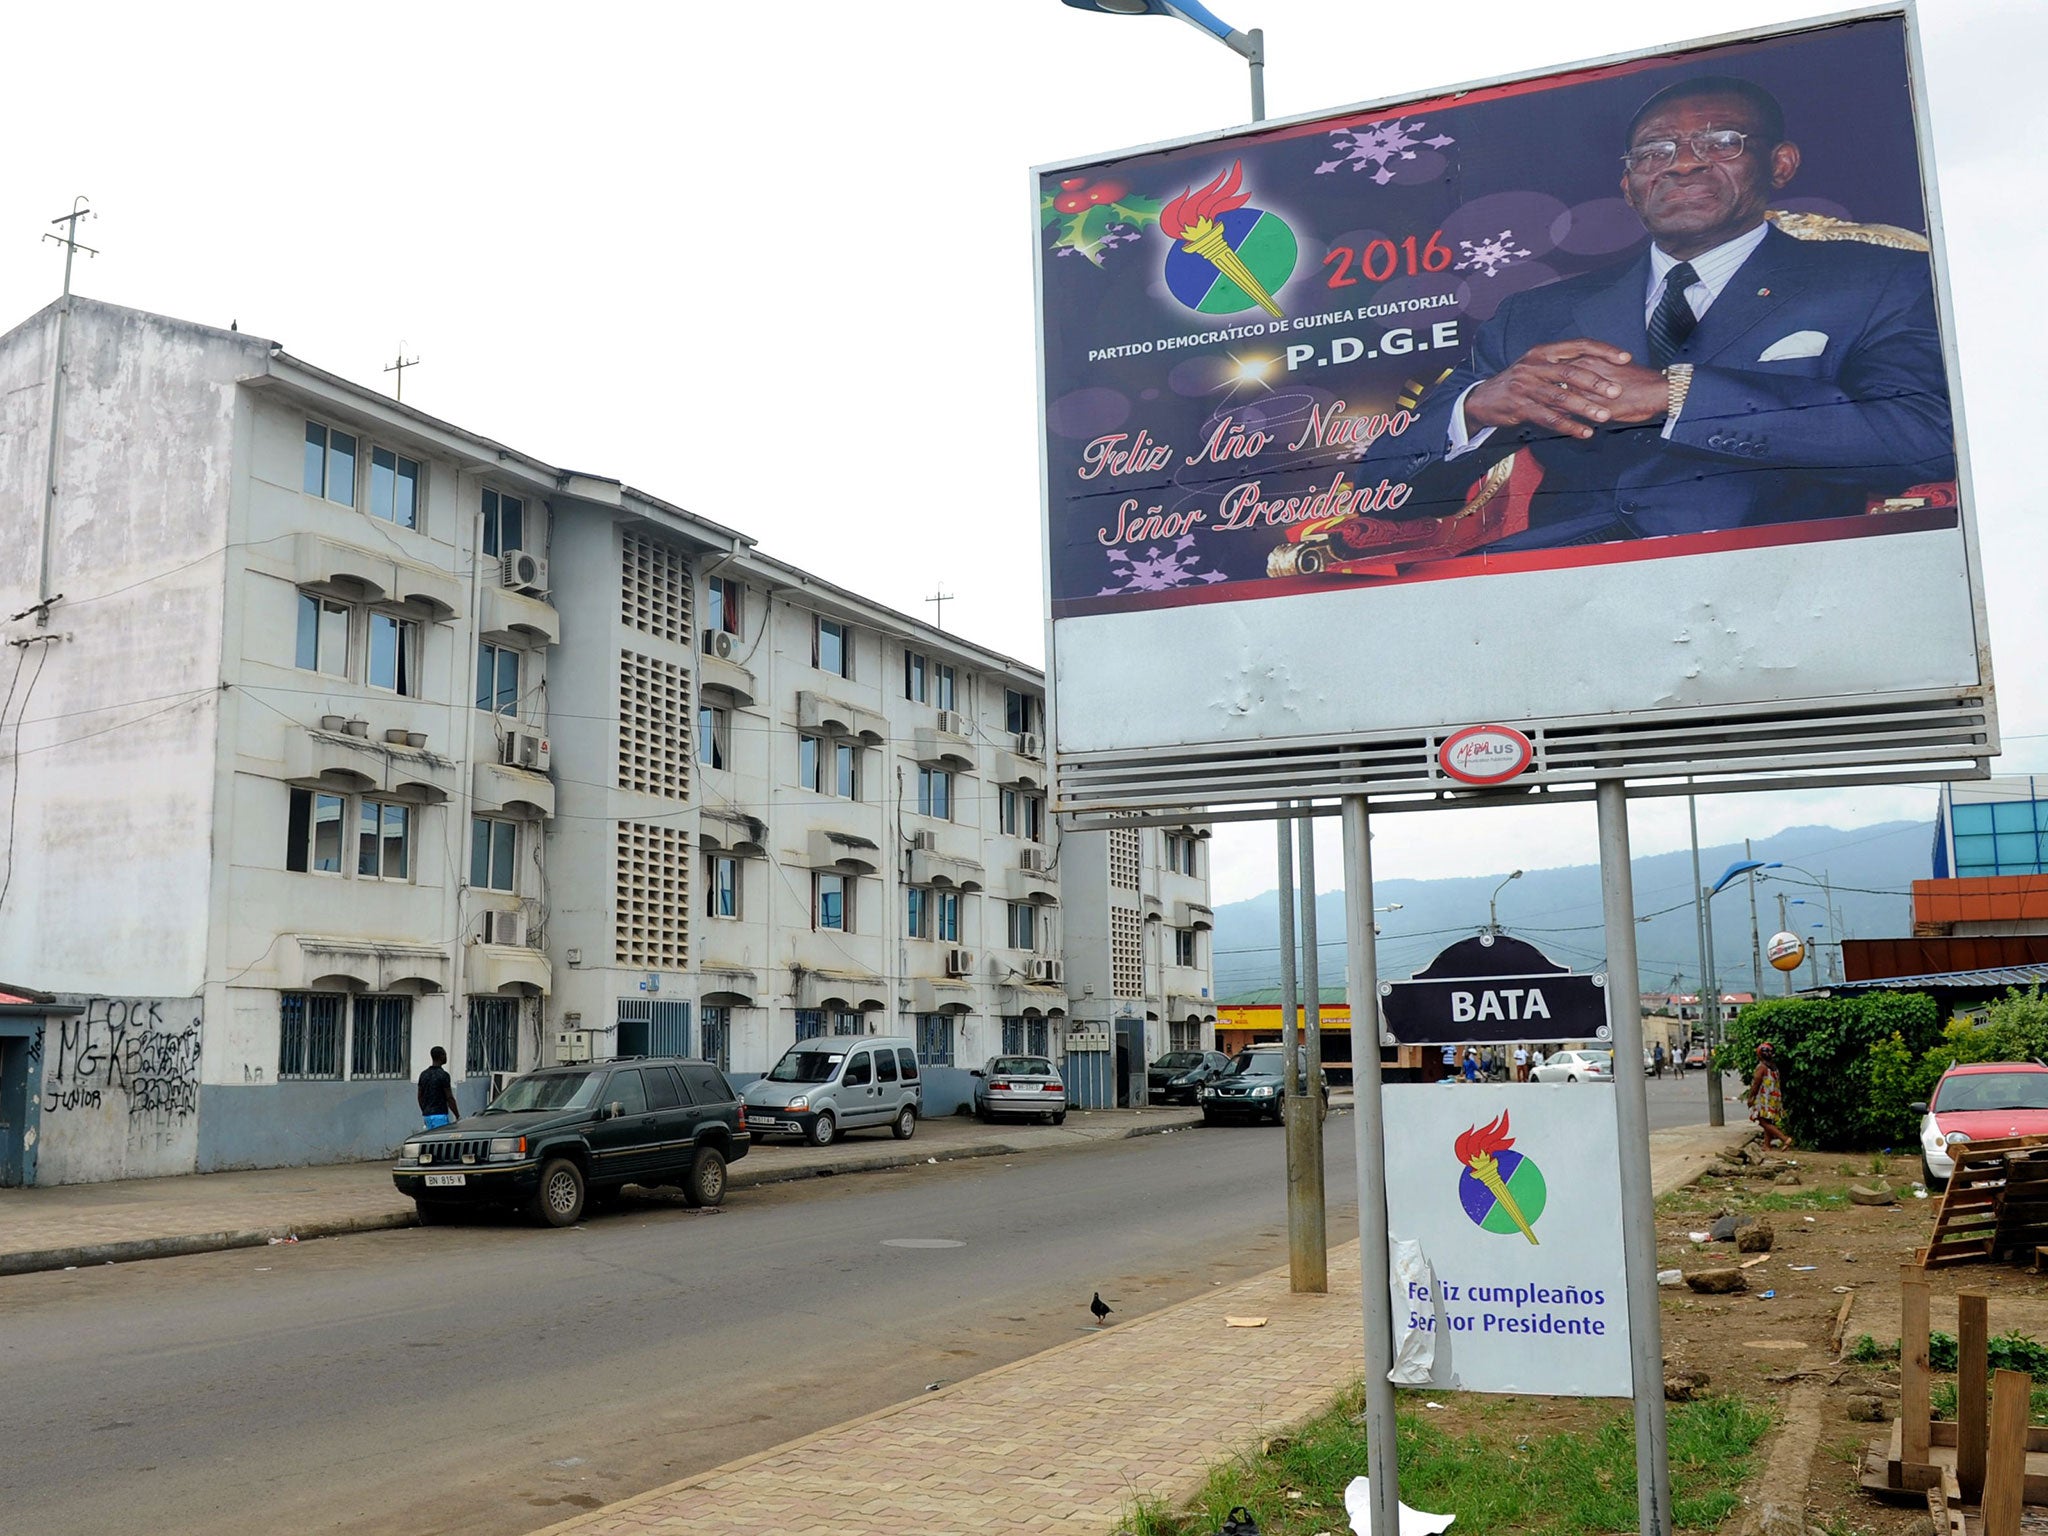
{"x": 1632, "y": 1122}
{"x": 1703, "y": 921}
{"x": 1308, "y": 1242}
{"x": 1362, "y": 981}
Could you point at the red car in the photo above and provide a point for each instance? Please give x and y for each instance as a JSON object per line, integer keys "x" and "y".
{"x": 1975, "y": 1103}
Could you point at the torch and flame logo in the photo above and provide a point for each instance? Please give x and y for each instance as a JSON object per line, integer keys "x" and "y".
{"x": 1200, "y": 220}
{"x": 1484, "y": 1152}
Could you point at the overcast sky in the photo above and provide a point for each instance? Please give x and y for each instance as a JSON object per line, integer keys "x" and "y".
{"x": 773, "y": 261}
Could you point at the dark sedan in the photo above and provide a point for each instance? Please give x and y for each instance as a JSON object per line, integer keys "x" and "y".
{"x": 1178, "y": 1076}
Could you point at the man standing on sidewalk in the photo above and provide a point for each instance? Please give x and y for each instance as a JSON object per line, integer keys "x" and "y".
{"x": 437, "y": 1093}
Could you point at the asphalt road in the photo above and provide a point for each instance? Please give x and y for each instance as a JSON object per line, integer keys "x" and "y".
{"x": 496, "y": 1378}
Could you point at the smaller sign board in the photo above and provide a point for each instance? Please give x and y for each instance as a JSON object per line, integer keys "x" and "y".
{"x": 1485, "y": 754}
{"x": 1493, "y": 990}
{"x": 1504, "y": 1210}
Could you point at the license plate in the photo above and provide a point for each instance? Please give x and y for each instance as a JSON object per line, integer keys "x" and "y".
{"x": 447, "y": 1180}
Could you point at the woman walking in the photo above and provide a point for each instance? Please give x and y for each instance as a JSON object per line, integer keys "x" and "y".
{"x": 1765, "y": 1097}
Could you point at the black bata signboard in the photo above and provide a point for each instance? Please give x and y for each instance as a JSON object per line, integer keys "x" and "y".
{"x": 1493, "y": 990}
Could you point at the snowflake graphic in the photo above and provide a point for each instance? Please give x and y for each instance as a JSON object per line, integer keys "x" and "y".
{"x": 1380, "y": 145}
{"x": 1156, "y": 570}
{"x": 1492, "y": 253}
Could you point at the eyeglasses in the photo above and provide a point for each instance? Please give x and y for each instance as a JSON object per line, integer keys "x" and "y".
{"x": 1713, "y": 144}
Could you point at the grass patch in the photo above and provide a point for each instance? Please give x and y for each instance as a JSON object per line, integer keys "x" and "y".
{"x": 2002, "y": 1352}
{"x": 1541, "y": 1485}
{"x": 1698, "y": 1198}
{"x": 1943, "y": 1399}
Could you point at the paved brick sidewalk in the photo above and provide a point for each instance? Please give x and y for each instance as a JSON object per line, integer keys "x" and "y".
{"x": 1064, "y": 1441}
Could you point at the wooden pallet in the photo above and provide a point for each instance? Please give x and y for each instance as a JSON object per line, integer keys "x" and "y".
{"x": 1967, "y": 1224}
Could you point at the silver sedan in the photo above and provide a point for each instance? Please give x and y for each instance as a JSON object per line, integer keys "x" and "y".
{"x": 1019, "y": 1085}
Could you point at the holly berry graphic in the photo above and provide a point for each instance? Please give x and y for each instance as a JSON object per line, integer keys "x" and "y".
{"x": 1093, "y": 217}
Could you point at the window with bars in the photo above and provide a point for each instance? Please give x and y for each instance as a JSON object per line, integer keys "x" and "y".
{"x": 810, "y": 1023}
{"x": 652, "y": 1027}
{"x": 493, "y": 1035}
{"x": 1126, "y": 951}
{"x": 1184, "y": 1036}
{"x": 935, "y": 1039}
{"x": 1026, "y": 1035}
{"x": 717, "y": 1023}
{"x": 651, "y": 897}
{"x": 1125, "y": 866}
{"x": 309, "y": 1034}
{"x": 845, "y": 1023}
{"x": 654, "y": 726}
{"x": 654, "y": 590}
{"x": 380, "y": 1044}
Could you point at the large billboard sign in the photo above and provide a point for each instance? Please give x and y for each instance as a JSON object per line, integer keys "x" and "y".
{"x": 1619, "y": 395}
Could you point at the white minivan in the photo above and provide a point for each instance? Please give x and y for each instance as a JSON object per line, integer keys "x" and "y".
{"x": 832, "y": 1084}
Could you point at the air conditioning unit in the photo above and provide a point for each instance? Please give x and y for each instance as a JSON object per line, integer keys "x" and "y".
{"x": 1029, "y": 745}
{"x": 1031, "y": 860}
{"x": 719, "y": 643}
{"x": 524, "y": 749}
{"x": 952, "y": 722}
{"x": 959, "y": 962}
{"x": 1048, "y": 970}
{"x": 572, "y": 1045}
{"x": 505, "y": 928}
{"x": 925, "y": 842}
{"x": 524, "y": 571}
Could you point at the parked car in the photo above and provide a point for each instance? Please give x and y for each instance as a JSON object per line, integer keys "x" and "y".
{"x": 1696, "y": 1057}
{"x": 1574, "y": 1067}
{"x": 562, "y": 1137}
{"x": 1255, "y": 1088}
{"x": 1178, "y": 1076}
{"x": 824, "y": 1087}
{"x": 1019, "y": 1085}
{"x": 1977, "y": 1102}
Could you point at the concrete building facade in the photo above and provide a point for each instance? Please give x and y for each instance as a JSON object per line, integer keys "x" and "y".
{"x": 345, "y": 733}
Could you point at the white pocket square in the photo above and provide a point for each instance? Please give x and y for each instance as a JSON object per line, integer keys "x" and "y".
{"x": 1798, "y": 344}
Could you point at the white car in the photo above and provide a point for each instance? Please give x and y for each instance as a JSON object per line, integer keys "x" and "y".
{"x": 1574, "y": 1067}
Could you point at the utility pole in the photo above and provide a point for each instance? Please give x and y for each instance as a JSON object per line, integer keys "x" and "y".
{"x": 1702, "y": 922}
{"x": 399, "y": 367}
{"x": 1756, "y": 943}
{"x": 69, "y": 240}
{"x": 938, "y": 600}
{"x": 1782, "y": 928}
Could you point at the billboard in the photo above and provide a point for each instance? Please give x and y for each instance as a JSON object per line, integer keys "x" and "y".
{"x": 1616, "y": 396}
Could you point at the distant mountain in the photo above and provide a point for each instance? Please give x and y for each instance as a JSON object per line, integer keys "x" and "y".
{"x": 1871, "y": 870}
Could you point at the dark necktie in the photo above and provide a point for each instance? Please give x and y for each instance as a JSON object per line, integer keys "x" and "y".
{"x": 1673, "y": 319}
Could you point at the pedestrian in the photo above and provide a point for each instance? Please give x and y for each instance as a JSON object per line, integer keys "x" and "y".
{"x": 1521, "y": 1063}
{"x": 1450, "y": 1063}
{"x": 1678, "y": 1059}
{"x": 1471, "y": 1065}
{"x": 437, "y": 1092}
{"x": 1657, "y": 1059}
{"x": 1765, "y": 1097}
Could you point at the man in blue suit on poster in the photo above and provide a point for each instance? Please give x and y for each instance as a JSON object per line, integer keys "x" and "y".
{"x": 1730, "y": 376}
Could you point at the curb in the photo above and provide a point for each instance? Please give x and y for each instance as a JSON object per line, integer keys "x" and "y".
{"x": 742, "y": 1178}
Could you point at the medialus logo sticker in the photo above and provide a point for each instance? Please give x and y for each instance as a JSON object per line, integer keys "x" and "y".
{"x": 1502, "y": 1190}
{"x": 1485, "y": 754}
{"x": 1230, "y": 257}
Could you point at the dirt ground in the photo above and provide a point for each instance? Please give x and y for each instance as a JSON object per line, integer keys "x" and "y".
{"x": 1825, "y": 1252}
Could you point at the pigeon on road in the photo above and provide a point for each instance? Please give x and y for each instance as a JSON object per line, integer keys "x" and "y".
{"x": 1098, "y": 1307}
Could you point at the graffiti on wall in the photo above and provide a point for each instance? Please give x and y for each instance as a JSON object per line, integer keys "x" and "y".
{"x": 142, "y": 1054}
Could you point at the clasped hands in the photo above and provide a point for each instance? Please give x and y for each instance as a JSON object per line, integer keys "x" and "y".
{"x": 1572, "y": 387}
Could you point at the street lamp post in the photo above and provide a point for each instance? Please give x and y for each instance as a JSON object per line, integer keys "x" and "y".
{"x": 1710, "y": 981}
{"x": 1493, "y": 922}
{"x": 1249, "y": 46}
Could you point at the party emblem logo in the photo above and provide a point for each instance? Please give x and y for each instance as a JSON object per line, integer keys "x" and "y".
{"x": 1229, "y": 257}
{"x": 1501, "y": 1190}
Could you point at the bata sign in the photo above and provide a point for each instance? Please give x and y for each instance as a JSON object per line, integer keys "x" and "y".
{"x": 1485, "y": 754}
{"x": 1493, "y": 990}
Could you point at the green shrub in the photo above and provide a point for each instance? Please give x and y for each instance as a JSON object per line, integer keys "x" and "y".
{"x": 1847, "y": 1062}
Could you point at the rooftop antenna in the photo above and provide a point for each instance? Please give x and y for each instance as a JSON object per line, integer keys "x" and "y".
{"x": 398, "y": 367}
{"x": 938, "y": 600}
{"x": 69, "y": 240}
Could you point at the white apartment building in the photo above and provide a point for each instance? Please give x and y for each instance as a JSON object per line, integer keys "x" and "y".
{"x": 346, "y": 733}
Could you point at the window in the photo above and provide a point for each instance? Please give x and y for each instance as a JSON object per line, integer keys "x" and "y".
{"x": 1017, "y": 711}
{"x": 1006, "y": 812}
{"x": 652, "y": 1027}
{"x": 810, "y": 1023}
{"x": 722, "y": 885}
{"x": 930, "y": 914}
{"x": 323, "y": 635}
{"x": 1027, "y": 1035}
{"x": 714, "y": 736}
{"x": 492, "y": 847}
{"x": 493, "y": 1034}
{"x": 916, "y": 679}
{"x": 831, "y": 902}
{"x": 380, "y": 1045}
{"x": 917, "y": 912}
{"x": 844, "y": 1023}
{"x": 1180, "y": 853}
{"x": 858, "y": 1072}
{"x": 943, "y": 692}
{"x": 935, "y": 1039}
{"x": 946, "y": 916}
{"x": 1184, "y": 946}
{"x": 1184, "y": 1036}
{"x": 313, "y": 832}
{"x": 1021, "y": 815}
{"x": 722, "y": 604}
{"x": 497, "y": 679}
{"x": 504, "y": 523}
{"x": 395, "y": 654}
{"x": 935, "y": 793}
{"x": 832, "y": 647}
{"x": 330, "y": 464}
{"x": 1023, "y": 925}
{"x": 309, "y": 1034}
{"x": 829, "y": 768}
{"x": 885, "y": 1066}
{"x": 394, "y": 488}
{"x": 809, "y": 750}
{"x": 846, "y": 770}
{"x": 717, "y": 1023}
{"x": 1034, "y": 818}
{"x": 384, "y": 839}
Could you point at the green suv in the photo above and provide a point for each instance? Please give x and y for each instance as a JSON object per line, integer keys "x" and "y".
{"x": 563, "y": 1137}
